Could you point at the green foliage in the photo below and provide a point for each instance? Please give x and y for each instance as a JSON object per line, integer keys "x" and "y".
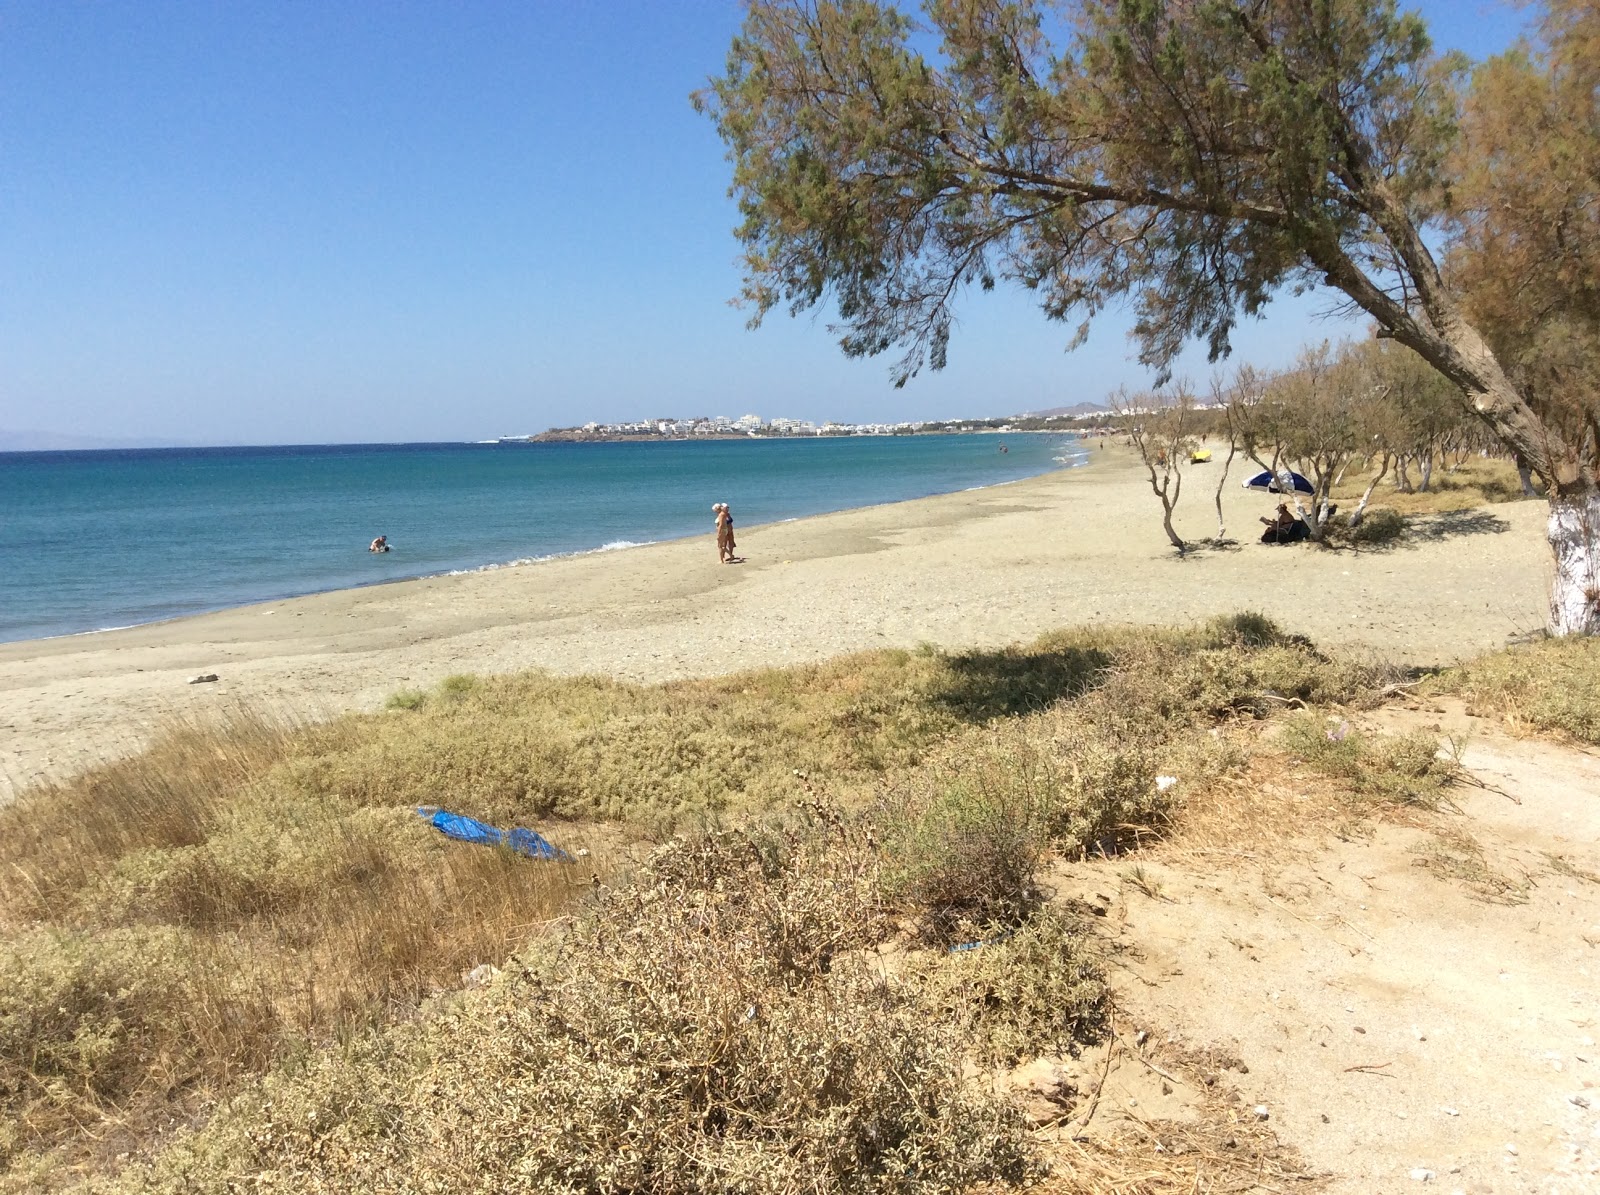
{"x": 1112, "y": 163}
{"x": 406, "y": 699}
{"x": 1552, "y": 685}
{"x": 1527, "y": 252}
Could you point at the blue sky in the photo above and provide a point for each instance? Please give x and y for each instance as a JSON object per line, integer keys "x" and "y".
{"x": 296, "y": 222}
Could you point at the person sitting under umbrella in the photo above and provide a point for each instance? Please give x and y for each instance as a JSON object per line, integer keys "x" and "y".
{"x": 1284, "y": 528}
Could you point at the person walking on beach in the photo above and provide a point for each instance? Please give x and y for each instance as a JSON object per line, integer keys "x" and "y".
{"x": 725, "y": 544}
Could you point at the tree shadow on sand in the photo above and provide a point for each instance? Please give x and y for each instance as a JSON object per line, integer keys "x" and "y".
{"x": 1436, "y": 528}
{"x": 985, "y": 685}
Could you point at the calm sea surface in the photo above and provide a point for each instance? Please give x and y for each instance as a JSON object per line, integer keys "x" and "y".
{"x": 90, "y": 540}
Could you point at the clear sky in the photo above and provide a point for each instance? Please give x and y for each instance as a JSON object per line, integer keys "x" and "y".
{"x": 297, "y": 222}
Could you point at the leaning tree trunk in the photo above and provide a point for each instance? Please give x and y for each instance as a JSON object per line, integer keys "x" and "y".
{"x": 1574, "y": 534}
{"x": 1360, "y": 512}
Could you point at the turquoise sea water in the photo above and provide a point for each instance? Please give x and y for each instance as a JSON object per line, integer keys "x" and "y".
{"x": 90, "y": 540}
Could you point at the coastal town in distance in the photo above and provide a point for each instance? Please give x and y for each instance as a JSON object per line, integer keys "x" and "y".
{"x": 747, "y": 426}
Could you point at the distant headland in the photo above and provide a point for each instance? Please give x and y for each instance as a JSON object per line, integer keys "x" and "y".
{"x": 721, "y": 427}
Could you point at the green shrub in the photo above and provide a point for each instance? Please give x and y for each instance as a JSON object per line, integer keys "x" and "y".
{"x": 406, "y": 699}
{"x": 1379, "y": 525}
{"x": 452, "y": 688}
{"x": 965, "y": 860}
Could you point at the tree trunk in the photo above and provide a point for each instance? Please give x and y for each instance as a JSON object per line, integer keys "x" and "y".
{"x": 1233, "y": 448}
{"x": 1425, "y": 468}
{"x": 1402, "y": 480}
{"x": 1525, "y": 476}
{"x": 1166, "y": 523}
{"x": 1574, "y": 534}
{"x": 1360, "y": 512}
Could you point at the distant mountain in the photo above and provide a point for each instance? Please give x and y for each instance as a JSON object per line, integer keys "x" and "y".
{"x": 23, "y": 440}
{"x": 1077, "y": 409}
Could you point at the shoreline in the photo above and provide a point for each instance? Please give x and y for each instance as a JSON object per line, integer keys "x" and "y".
{"x": 1061, "y": 466}
{"x": 38, "y": 625}
{"x": 972, "y": 568}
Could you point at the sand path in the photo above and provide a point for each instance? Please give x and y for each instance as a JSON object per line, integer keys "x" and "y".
{"x": 1392, "y": 1021}
{"x": 978, "y": 568}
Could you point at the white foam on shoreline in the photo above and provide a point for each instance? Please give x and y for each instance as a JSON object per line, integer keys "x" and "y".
{"x": 615, "y": 545}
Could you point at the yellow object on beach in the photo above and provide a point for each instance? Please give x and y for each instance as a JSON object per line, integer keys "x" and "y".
{"x": 1200, "y": 456}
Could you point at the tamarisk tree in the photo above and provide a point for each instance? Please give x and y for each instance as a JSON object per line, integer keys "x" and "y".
{"x": 1164, "y": 431}
{"x": 1192, "y": 157}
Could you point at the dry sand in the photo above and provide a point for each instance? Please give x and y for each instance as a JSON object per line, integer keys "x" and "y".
{"x": 1394, "y": 1023}
{"x": 983, "y": 567}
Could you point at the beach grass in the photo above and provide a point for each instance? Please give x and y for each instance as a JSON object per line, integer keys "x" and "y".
{"x": 1549, "y": 686}
{"x": 252, "y": 909}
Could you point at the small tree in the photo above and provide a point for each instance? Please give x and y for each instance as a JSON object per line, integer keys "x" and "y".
{"x": 1164, "y": 430}
{"x": 1227, "y": 396}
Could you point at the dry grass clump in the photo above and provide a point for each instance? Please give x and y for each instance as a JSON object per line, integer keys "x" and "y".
{"x": 1552, "y": 686}
{"x": 1034, "y": 990}
{"x": 1454, "y": 854}
{"x": 722, "y": 1024}
{"x": 172, "y": 922}
{"x": 1400, "y": 769}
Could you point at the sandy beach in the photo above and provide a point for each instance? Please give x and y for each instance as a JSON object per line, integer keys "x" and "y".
{"x": 983, "y": 567}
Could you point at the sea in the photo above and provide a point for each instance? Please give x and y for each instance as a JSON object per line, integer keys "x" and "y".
{"x": 91, "y": 541}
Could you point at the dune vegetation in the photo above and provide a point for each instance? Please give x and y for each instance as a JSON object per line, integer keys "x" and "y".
{"x": 805, "y": 908}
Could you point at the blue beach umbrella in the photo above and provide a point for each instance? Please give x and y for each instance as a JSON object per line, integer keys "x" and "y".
{"x": 1267, "y": 484}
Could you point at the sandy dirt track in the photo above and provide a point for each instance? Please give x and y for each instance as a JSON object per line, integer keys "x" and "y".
{"x": 983, "y": 567}
{"x": 1392, "y": 1022}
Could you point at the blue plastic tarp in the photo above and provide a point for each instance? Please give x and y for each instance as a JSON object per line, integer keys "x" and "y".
{"x": 470, "y": 829}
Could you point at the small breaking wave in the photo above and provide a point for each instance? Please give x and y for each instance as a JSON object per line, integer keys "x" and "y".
{"x": 615, "y": 545}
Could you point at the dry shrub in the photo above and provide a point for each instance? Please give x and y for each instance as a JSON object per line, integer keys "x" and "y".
{"x": 1552, "y": 686}
{"x": 1401, "y": 769}
{"x": 965, "y": 859}
{"x": 719, "y": 1026}
{"x": 1034, "y": 990}
{"x": 304, "y": 890}
{"x": 93, "y": 1022}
